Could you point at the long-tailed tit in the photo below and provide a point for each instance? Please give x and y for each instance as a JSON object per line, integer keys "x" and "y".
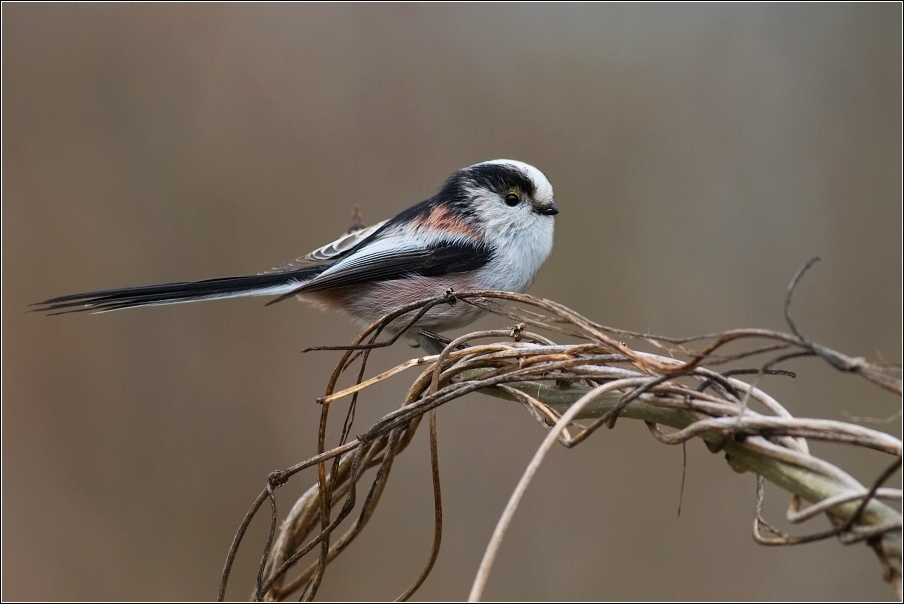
{"x": 490, "y": 227}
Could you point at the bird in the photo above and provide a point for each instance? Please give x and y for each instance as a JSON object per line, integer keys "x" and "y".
{"x": 490, "y": 227}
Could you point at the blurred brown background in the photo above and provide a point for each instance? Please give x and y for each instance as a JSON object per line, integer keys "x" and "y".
{"x": 700, "y": 155}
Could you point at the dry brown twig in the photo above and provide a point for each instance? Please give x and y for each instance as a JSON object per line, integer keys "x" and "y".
{"x": 599, "y": 379}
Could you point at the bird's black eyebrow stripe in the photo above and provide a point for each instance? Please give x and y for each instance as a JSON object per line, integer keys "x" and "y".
{"x": 500, "y": 178}
{"x": 456, "y": 192}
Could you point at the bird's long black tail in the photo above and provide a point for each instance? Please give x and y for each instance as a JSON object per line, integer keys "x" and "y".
{"x": 174, "y": 293}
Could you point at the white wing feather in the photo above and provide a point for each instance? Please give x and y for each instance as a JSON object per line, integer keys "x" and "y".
{"x": 328, "y": 251}
{"x": 344, "y": 243}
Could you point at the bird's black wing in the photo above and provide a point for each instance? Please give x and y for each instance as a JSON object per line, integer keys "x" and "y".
{"x": 381, "y": 261}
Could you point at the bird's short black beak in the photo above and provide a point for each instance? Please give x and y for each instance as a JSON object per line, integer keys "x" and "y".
{"x": 551, "y": 210}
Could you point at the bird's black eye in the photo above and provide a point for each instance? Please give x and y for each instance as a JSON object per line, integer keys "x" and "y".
{"x": 512, "y": 199}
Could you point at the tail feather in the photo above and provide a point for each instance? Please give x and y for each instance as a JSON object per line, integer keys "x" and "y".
{"x": 174, "y": 293}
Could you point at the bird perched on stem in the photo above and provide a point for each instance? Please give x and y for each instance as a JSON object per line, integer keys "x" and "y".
{"x": 490, "y": 227}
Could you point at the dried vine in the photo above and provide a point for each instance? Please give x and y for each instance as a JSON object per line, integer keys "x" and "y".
{"x": 680, "y": 395}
